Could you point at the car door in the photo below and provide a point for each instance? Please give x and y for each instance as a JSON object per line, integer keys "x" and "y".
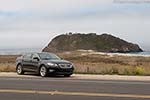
{"x": 35, "y": 62}
{"x": 26, "y": 62}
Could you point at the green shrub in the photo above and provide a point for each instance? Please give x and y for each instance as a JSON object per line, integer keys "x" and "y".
{"x": 139, "y": 71}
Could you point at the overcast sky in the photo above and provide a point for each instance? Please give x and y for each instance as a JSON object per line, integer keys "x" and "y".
{"x": 33, "y": 23}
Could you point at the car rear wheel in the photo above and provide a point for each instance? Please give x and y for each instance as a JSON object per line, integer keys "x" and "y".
{"x": 43, "y": 71}
{"x": 19, "y": 70}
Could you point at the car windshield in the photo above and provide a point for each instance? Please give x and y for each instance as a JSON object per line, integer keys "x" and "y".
{"x": 48, "y": 56}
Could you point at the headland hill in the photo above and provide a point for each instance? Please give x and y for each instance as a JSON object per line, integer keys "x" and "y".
{"x": 92, "y": 41}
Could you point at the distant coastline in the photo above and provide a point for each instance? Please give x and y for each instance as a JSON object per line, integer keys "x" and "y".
{"x": 144, "y": 53}
{"x": 20, "y": 51}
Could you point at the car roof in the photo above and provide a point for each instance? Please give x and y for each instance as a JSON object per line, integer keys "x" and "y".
{"x": 38, "y": 53}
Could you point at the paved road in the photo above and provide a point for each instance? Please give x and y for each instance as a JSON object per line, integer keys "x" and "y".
{"x": 55, "y": 88}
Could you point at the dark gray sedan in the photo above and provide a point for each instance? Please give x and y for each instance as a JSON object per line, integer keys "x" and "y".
{"x": 44, "y": 64}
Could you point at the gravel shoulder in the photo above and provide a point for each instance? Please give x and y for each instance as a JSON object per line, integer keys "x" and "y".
{"x": 84, "y": 76}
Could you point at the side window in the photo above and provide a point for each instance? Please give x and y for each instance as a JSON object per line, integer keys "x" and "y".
{"x": 35, "y": 55}
{"x": 27, "y": 56}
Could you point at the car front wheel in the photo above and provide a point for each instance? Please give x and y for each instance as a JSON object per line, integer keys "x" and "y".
{"x": 19, "y": 70}
{"x": 43, "y": 71}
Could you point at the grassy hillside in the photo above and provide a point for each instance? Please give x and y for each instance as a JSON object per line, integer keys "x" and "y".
{"x": 101, "y": 43}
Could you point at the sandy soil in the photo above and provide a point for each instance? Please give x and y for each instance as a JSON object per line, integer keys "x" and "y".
{"x": 83, "y": 76}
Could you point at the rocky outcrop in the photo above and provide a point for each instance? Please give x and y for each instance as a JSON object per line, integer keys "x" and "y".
{"x": 91, "y": 41}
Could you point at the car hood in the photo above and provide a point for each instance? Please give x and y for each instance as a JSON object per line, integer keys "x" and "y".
{"x": 57, "y": 61}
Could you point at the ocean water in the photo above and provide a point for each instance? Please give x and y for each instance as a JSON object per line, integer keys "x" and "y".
{"x": 28, "y": 50}
{"x": 19, "y": 51}
{"x": 142, "y": 53}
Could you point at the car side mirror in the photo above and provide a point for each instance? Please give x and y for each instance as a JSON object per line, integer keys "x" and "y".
{"x": 36, "y": 59}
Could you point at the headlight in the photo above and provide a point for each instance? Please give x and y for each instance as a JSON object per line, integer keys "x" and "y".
{"x": 72, "y": 65}
{"x": 52, "y": 64}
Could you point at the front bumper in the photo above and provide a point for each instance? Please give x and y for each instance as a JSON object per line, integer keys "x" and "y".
{"x": 60, "y": 71}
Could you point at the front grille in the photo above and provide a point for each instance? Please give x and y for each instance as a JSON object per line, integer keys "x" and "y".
{"x": 65, "y": 65}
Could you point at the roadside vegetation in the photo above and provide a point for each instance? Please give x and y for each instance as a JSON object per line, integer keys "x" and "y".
{"x": 88, "y": 63}
{"x": 7, "y": 63}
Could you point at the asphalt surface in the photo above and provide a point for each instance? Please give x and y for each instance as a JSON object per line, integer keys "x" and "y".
{"x": 58, "y": 88}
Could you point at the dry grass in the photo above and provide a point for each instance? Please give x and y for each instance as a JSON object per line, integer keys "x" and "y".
{"x": 94, "y": 63}
{"x": 7, "y": 67}
{"x": 105, "y": 64}
{"x": 7, "y": 63}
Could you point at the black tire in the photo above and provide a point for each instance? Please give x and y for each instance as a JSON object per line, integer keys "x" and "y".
{"x": 43, "y": 71}
{"x": 19, "y": 70}
{"x": 67, "y": 75}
